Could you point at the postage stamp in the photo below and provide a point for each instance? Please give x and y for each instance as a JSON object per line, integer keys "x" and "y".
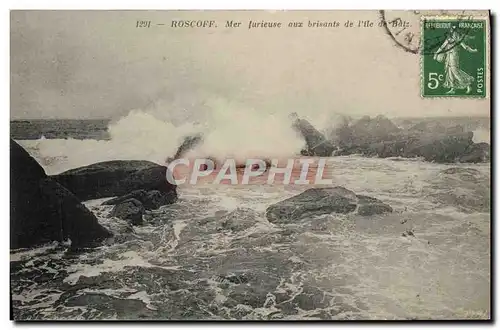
{"x": 454, "y": 56}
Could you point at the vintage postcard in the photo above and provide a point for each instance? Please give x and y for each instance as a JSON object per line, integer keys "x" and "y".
{"x": 250, "y": 165}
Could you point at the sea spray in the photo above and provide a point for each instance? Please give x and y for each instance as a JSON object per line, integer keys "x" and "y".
{"x": 137, "y": 136}
{"x": 236, "y": 131}
{"x": 228, "y": 130}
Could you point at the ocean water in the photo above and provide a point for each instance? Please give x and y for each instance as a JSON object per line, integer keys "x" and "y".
{"x": 213, "y": 254}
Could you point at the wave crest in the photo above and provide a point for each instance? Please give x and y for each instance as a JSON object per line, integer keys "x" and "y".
{"x": 228, "y": 129}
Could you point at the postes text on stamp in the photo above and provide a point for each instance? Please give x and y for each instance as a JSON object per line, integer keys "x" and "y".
{"x": 453, "y": 56}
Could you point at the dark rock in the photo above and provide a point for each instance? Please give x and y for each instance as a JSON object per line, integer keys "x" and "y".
{"x": 408, "y": 232}
{"x": 366, "y": 131}
{"x": 130, "y": 210}
{"x": 429, "y": 140}
{"x": 151, "y": 200}
{"x": 435, "y": 148}
{"x": 380, "y": 126}
{"x": 26, "y": 167}
{"x": 438, "y": 148}
{"x": 315, "y": 201}
{"x": 155, "y": 199}
{"x": 320, "y": 201}
{"x": 29, "y": 226}
{"x": 316, "y": 142}
{"x": 476, "y": 153}
{"x": 371, "y": 206}
{"x": 116, "y": 178}
{"x": 77, "y": 222}
{"x": 43, "y": 211}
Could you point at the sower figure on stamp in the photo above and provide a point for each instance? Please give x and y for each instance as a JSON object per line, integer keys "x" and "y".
{"x": 449, "y": 52}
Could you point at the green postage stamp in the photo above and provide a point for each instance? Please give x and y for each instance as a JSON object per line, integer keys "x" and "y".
{"x": 454, "y": 56}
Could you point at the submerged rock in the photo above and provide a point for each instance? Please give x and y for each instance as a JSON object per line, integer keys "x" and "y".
{"x": 461, "y": 170}
{"x": 130, "y": 209}
{"x": 320, "y": 201}
{"x": 116, "y": 178}
{"x": 43, "y": 211}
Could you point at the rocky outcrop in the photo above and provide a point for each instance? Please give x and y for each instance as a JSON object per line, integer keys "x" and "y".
{"x": 132, "y": 206}
{"x": 316, "y": 142}
{"x": 116, "y": 178}
{"x": 366, "y": 131}
{"x": 379, "y": 137}
{"x": 43, "y": 211}
{"x": 444, "y": 148}
{"x": 373, "y": 129}
{"x": 151, "y": 200}
{"x": 320, "y": 201}
{"x": 476, "y": 153}
{"x": 130, "y": 209}
{"x": 439, "y": 148}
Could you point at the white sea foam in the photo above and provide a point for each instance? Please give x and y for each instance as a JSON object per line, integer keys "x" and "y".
{"x": 229, "y": 130}
{"x": 238, "y": 132}
{"x": 138, "y": 136}
{"x": 128, "y": 259}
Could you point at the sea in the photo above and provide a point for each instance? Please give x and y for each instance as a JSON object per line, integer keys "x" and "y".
{"x": 214, "y": 256}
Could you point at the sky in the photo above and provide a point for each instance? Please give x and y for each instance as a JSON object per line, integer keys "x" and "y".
{"x": 97, "y": 64}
